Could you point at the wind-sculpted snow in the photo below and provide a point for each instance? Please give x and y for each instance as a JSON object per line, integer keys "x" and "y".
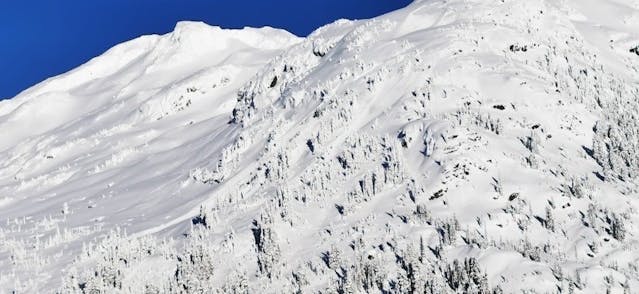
{"x": 450, "y": 146}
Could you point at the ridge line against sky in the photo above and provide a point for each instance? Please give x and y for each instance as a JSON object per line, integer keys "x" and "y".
{"x": 42, "y": 38}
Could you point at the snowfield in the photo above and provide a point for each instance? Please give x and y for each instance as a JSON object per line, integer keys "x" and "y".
{"x": 455, "y": 146}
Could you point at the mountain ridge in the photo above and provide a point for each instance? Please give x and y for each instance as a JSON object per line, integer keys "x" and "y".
{"x": 450, "y": 146}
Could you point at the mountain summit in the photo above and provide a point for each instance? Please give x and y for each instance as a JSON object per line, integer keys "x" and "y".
{"x": 456, "y": 146}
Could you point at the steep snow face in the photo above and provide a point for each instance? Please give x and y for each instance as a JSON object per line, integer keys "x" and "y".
{"x": 467, "y": 146}
{"x": 73, "y": 140}
{"x": 141, "y": 70}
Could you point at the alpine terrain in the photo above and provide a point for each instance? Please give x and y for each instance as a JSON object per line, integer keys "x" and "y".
{"x": 452, "y": 146}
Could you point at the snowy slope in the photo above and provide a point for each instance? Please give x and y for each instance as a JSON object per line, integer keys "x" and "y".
{"x": 450, "y": 146}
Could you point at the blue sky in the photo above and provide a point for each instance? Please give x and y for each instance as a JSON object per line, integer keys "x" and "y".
{"x": 43, "y": 38}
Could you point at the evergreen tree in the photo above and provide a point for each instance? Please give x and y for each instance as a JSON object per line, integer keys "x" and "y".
{"x": 549, "y": 222}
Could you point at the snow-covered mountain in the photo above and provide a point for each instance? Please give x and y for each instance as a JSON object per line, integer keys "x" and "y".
{"x": 449, "y": 146}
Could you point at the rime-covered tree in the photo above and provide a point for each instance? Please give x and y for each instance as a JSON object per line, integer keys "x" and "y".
{"x": 195, "y": 267}
{"x": 466, "y": 277}
{"x": 268, "y": 250}
{"x": 549, "y": 221}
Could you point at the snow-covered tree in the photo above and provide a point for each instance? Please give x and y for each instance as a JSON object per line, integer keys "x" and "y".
{"x": 268, "y": 250}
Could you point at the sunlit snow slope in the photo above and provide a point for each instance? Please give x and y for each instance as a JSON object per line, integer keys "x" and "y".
{"x": 450, "y": 146}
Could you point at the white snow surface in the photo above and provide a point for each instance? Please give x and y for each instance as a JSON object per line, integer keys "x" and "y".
{"x": 366, "y": 140}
